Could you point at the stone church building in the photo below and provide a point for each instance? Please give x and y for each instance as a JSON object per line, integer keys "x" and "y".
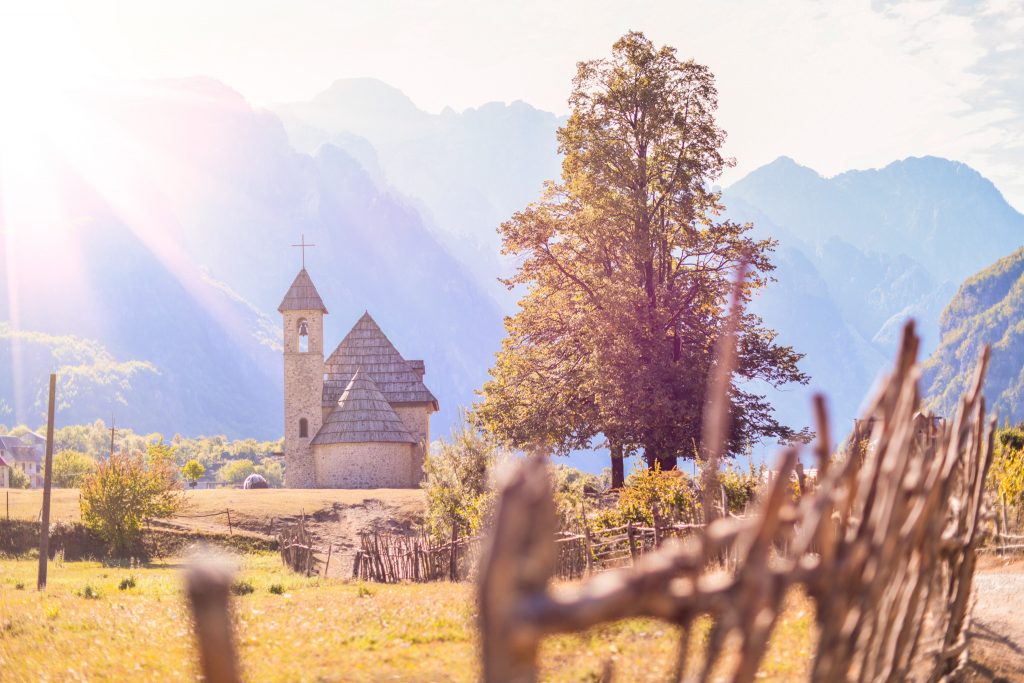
{"x": 360, "y": 418}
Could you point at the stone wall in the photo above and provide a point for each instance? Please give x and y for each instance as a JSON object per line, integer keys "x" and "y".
{"x": 416, "y": 418}
{"x": 303, "y": 393}
{"x": 364, "y": 465}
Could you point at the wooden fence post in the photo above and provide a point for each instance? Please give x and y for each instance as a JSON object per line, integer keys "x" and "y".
{"x": 632, "y": 541}
{"x": 44, "y": 514}
{"x": 588, "y": 549}
{"x": 230, "y": 532}
{"x": 453, "y": 563}
{"x": 656, "y": 516}
{"x": 327, "y": 565}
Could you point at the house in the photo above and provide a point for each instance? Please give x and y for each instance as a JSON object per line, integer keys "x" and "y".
{"x": 25, "y": 453}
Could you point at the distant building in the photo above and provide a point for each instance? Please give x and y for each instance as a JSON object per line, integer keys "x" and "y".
{"x": 360, "y": 419}
{"x": 5, "y": 474}
{"x": 26, "y": 453}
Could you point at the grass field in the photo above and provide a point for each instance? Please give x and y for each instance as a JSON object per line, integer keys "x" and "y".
{"x": 253, "y": 504}
{"x": 317, "y": 630}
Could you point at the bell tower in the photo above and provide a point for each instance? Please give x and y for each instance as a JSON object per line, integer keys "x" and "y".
{"x": 303, "y": 312}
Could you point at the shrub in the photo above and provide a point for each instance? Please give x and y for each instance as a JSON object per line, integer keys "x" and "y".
{"x": 672, "y": 491}
{"x": 235, "y": 471}
{"x": 741, "y": 488}
{"x": 124, "y": 492}
{"x": 18, "y": 479}
{"x": 89, "y": 593}
{"x": 571, "y": 490}
{"x": 19, "y": 586}
{"x": 276, "y": 589}
{"x": 363, "y": 591}
{"x": 457, "y": 484}
{"x": 242, "y": 587}
{"x": 70, "y": 468}
{"x": 272, "y": 471}
{"x": 126, "y": 583}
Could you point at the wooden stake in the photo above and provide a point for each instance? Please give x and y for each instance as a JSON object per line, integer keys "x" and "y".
{"x": 44, "y": 527}
{"x": 230, "y": 532}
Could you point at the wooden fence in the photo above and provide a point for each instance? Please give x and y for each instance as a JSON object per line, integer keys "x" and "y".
{"x": 885, "y": 545}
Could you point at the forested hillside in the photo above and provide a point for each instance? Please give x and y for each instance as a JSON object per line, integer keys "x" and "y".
{"x": 988, "y": 309}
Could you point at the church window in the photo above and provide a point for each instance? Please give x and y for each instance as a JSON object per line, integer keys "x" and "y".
{"x": 303, "y": 428}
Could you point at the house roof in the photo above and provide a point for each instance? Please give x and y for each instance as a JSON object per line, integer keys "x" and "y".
{"x": 367, "y": 348}
{"x": 302, "y": 296}
{"x": 18, "y": 451}
{"x": 4, "y": 463}
{"x": 362, "y": 415}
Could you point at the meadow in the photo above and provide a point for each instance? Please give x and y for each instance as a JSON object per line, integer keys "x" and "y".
{"x": 257, "y": 505}
{"x": 99, "y": 622}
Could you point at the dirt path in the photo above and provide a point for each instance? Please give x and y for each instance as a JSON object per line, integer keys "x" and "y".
{"x": 997, "y": 632}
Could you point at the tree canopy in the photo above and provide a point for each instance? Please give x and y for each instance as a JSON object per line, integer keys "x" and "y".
{"x": 626, "y": 266}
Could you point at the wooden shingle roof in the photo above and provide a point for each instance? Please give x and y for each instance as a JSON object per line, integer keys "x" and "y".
{"x": 366, "y": 347}
{"x": 302, "y": 296}
{"x": 362, "y": 415}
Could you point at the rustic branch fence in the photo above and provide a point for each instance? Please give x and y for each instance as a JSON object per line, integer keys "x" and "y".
{"x": 885, "y": 546}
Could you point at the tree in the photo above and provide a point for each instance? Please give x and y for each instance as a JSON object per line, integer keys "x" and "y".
{"x": 272, "y": 471}
{"x": 457, "y": 482}
{"x": 123, "y": 493}
{"x": 236, "y": 471}
{"x": 193, "y": 472}
{"x": 70, "y": 468}
{"x": 626, "y": 267}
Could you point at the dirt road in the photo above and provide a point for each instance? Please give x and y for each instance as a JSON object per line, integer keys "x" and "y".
{"x": 997, "y": 632}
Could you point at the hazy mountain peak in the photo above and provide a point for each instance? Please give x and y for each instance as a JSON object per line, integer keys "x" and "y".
{"x": 367, "y": 93}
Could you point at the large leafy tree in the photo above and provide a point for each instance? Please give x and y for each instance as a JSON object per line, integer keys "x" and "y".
{"x": 626, "y": 265}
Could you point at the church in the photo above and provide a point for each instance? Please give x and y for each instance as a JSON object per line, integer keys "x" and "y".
{"x": 360, "y": 418}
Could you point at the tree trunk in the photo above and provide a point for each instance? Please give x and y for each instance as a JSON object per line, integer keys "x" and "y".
{"x": 667, "y": 462}
{"x": 618, "y": 468}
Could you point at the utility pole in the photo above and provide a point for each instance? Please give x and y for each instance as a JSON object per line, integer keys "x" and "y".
{"x": 112, "y": 430}
{"x": 44, "y": 529}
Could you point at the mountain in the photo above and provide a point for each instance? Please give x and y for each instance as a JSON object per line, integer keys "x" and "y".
{"x": 858, "y": 254}
{"x": 467, "y": 172}
{"x": 177, "y": 203}
{"x": 987, "y": 309}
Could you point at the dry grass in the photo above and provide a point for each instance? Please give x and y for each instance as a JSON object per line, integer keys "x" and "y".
{"x": 323, "y": 630}
{"x": 260, "y": 504}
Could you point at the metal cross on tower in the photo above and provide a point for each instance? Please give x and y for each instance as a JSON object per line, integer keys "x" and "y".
{"x": 302, "y": 244}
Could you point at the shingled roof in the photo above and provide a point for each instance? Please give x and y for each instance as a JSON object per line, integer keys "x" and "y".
{"x": 366, "y": 347}
{"x": 362, "y": 415}
{"x": 302, "y": 296}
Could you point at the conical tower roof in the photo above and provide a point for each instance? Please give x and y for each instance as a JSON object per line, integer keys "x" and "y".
{"x": 367, "y": 348}
{"x": 362, "y": 415}
{"x": 302, "y": 296}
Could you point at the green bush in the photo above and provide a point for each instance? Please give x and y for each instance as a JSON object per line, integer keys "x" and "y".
{"x": 242, "y": 587}
{"x": 276, "y": 589}
{"x": 457, "y": 482}
{"x": 126, "y": 583}
{"x": 70, "y": 468}
{"x": 89, "y": 593}
{"x": 18, "y": 479}
{"x": 741, "y": 488}
{"x": 236, "y": 471}
{"x": 673, "y": 492}
{"x": 123, "y": 493}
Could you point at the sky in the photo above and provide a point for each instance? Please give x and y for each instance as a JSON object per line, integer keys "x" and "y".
{"x": 835, "y": 85}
